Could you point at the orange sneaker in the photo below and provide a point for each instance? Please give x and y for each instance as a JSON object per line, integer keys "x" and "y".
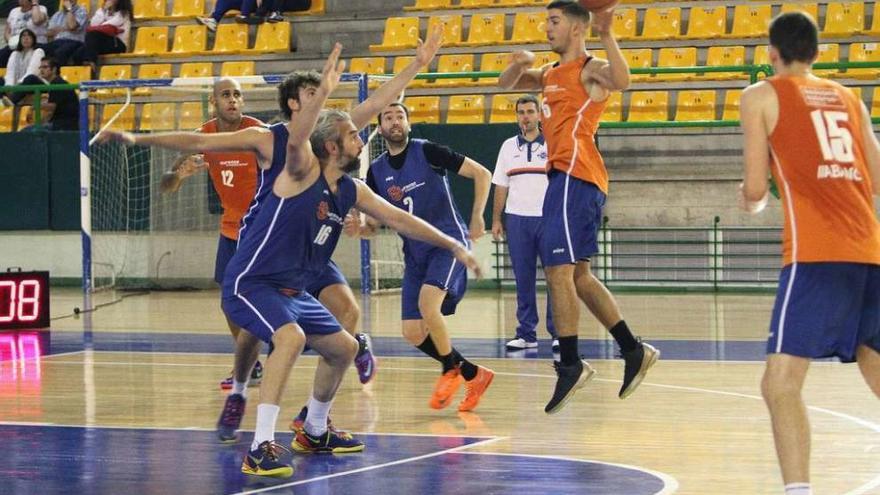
{"x": 474, "y": 389}
{"x": 445, "y": 388}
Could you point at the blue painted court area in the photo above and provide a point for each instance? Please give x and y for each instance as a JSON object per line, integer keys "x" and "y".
{"x": 58, "y": 459}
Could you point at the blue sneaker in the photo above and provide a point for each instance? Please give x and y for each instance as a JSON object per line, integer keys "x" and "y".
{"x": 365, "y": 361}
{"x": 263, "y": 461}
{"x": 230, "y": 418}
{"x": 331, "y": 442}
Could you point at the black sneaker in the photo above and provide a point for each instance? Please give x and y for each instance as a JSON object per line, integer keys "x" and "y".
{"x": 569, "y": 379}
{"x": 230, "y": 418}
{"x": 637, "y": 363}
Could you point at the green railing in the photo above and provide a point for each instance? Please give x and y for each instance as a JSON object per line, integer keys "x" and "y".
{"x": 37, "y": 90}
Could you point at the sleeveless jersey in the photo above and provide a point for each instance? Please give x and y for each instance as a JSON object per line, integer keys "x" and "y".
{"x": 819, "y": 162}
{"x": 290, "y": 240}
{"x": 420, "y": 190}
{"x": 234, "y": 175}
{"x": 266, "y": 177}
{"x": 570, "y": 121}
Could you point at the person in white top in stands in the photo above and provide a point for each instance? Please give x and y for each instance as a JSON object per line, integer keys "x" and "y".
{"x": 28, "y": 15}
{"x": 520, "y": 180}
{"x": 25, "y": 61}
{"x": 109, "y": 32}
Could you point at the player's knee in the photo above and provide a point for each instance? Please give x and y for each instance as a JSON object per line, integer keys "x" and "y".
{"x": 350, "y": 317}
{"x": 414, "y": 334}
{"x": 779, "y": 383}
{"x": 291, "y": 339}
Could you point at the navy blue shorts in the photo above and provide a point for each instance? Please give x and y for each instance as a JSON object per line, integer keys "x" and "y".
{"x": 262, "y": 310}
{"x": 572, "y": 217}
{"x": 438, "y": 268}
{"x": 330, "y": 276}
{"x": 826, "y": 309}
{"x": 225, "y": 249}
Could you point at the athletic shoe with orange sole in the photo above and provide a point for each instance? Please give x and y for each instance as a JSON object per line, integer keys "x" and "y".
{"x": 474, "y": 389}
{"x": 445, "y": 388}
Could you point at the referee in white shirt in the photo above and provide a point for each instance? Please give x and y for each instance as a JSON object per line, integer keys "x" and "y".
{"x": 520, "y": 180}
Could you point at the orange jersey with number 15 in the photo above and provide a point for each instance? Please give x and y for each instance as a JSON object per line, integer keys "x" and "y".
{"x": 234, "y": 175}
{"x": 819, "y": 163}
{"x": 569, "y": 122}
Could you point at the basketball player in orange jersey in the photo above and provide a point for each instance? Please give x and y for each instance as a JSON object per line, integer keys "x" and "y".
{"x": 575, "y": 93}
{"x": 815, "y": 137}
{"x": 234, "y": 176}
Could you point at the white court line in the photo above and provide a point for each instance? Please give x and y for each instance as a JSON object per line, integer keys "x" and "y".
{"x": 377, "y": 466}
{"x": 670, "y": 484}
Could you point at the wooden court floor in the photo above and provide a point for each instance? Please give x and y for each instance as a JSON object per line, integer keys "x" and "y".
{"x": 128, "y": 401}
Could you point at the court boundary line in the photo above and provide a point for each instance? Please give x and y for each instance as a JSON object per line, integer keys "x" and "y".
{"x": 670, "y": 484}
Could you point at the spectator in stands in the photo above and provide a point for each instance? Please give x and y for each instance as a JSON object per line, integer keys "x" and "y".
{"x": 24, "y": 61}
{"x": 67, "y": 31}
{"x": 108, "y": 32}
{"x": 59, "y": 110}
{"x": 28, "y": 15}
{"x": 277, "y": 7}
{"x": 247, "y": 12}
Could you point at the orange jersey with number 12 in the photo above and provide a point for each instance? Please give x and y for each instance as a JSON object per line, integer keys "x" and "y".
{"x": 570, "y": 121}
{"x": 819, "y": 163}
{"x": 234, "y": 175}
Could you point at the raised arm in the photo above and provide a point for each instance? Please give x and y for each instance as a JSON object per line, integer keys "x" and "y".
{"x": 482, "y": 182}
{"x": 756, "y": 148}
{"x": 411, "y": 226}
{"x": 520, "y": 75}
{"x": 872, "y": 150}
{"x": 364, "y": 113}
{"x": 612, "y": 74}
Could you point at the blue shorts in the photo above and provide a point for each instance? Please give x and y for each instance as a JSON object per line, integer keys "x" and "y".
{"x": 261, "y": 310}
{"x": 225, "y": 249}
{"x": 438, "y": 268}
{"x": 826, "y": 309}
{"x": 572, "y": 217}
{"x": 329, "y": 276}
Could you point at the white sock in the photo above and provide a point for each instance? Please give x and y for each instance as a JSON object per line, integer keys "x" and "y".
{"x": 798, "y": 489}
{"x": 316, "y": 419}
{"x": 267, "y": 416}
{"x": 239, "y": 388}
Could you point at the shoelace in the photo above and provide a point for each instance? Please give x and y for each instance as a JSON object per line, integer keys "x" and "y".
{"x": 272, "y": 449}
{"x": 233, "y": 413}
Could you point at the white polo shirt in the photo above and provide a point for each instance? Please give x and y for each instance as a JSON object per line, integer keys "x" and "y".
{"x": 521, "y": 168}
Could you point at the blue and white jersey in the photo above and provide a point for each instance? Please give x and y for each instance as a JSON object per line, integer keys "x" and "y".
{"x": 266, "y": 177}
{"x": 422, "y": 190}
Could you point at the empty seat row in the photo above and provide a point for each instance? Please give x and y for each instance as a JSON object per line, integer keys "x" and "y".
{"x": 156, "y": 9}
{"x": 841, "y": 19}
{"x": 229, "y": 39}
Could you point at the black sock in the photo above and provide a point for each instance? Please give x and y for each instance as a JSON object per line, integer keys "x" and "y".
{"x": 428, "y": 348}
{"x": 468, "y": 369}
{"x": 568, "y": 349}
{"x": 624, "y": 337}
{"x": 448, "y": 362}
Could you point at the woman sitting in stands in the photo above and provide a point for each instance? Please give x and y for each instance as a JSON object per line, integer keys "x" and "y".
{"x": 108, "y": 32}
{"x": 24, "y": 61}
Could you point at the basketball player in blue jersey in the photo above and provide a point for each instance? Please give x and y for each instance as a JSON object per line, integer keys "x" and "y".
{"x": 412, "y": 175}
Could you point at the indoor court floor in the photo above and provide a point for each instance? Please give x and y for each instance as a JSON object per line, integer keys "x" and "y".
{"x": 124, "y": 400}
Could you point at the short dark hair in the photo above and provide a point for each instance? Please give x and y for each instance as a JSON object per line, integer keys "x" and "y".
{"x": 394, "y": 104}
{"x": 52, "y": 62}
{"x": 289, "y": 88}
{"x": 796, "y": 36}
{"x": 526, "y": 99}
{"x": 571, "y": 9}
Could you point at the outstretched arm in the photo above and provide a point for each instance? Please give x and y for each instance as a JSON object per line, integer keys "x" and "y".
{"x": 612, "y": 74}
{"x": 482, "y": 182}
{"x": 254, "y": 139}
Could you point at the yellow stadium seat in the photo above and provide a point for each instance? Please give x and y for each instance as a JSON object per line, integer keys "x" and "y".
{"x": 272, "y": 37}
{"x": 516, "y": 3}
{"x": 725, "y": 55}
{"x": 400, "y": 63}
{"x": 731, "y": 104}
{"x": 400, "y": 32}
{"x": 197, "y": 69}
{"x": 844, "y": 19}
{"x": 875, "y": 103}
{"x": 492, "y": 62}
{"x": 192, "y": 115}
{"x": 624, "y": 24}
{"x": 829, "y": 53}
{"x": 423, "y": 109}
{"x": 864, "y": 52}
{"x": 152, "y": 71}
{"x": 613, "y": 109}
{"x": 750, "y": 21}
{"x": 233, "y": 69}
{"x": 149, "y": 41}
{"x": 599, "y": 54}
{"x": 125, "y": 121}
{"x": 466, "y": 109}
{"x": 809, "y": 8}
{"x": 486, "y": 29}
{"x": 662, "y": 24}
{"x": 528, "y": 27}
{"x": 113, "y": 73}
{"x": 706, "y": 22}
{"x": 147, "y": 9}
{"x": 429, "y": 5}
{"x": 6, "y": 115}
{"x": 188, "y": 8}
{"x": 638, "y": 58}
{"x": 343, "y": 104}
{"x": 503, "y": 109}
{"x": 231, "y": 38}
{"x": 857, "y": 90}
{"x": 469, "y": 4}
{"x": 695, "y": 105}
{"x": 542, "y": 59}
{"x": 157, "y": 117}
{"x": 74, "y": 74}
{"x": 463, "y": 62}
{"x": 761, "y": 56}
{"x": 875, "y": 24}
{"x": 2, "y": 71}
{"x": 368, "y": 65}
{"x": 648, "y": 106}
{"x": 451, "y": 28}
{"x": 676, "y": 57}
{"x": 189, "y": 39}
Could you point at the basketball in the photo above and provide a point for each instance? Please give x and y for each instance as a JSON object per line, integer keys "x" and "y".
{"x": 597, "y": 5}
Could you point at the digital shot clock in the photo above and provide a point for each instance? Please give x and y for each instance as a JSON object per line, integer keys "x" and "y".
{"x": 24, "y": 300}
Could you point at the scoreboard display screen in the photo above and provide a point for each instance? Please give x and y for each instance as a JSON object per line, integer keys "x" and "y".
{"x": 24, "y": 300}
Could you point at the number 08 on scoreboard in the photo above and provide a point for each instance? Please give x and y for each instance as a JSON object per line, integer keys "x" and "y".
{"x": 24, "y": 300}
